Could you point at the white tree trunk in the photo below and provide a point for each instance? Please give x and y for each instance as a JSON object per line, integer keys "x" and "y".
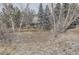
{"x": 12, "y": 23}
{"x": 21, "y": 25}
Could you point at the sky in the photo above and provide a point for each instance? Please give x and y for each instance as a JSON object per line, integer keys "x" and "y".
{"x": 33, "y": 6}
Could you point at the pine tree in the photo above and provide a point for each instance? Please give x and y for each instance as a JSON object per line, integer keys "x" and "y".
{"x": 47, "y": 18}
{"x": 65, "y": 9}
{"x": 41, "y": 16}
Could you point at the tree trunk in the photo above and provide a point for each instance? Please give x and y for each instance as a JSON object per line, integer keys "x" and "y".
{"x": 13, "y": 25}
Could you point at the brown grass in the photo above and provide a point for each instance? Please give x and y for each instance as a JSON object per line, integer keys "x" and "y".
{"x": 42, "y": 43}
{"x": 7, "y": 49}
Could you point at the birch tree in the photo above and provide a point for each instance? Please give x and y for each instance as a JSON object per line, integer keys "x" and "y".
{"x": 26, "y": 17}
{"x": 64, "y": 19}
{"x": 9, "y": 14}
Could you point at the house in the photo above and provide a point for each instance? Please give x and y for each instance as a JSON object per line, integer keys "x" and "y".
{"x": 35, "y": 22}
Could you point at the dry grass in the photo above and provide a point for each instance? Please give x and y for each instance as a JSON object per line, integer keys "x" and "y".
{"x": 7, "y": 49}
{"x": 27, "y": 30}
{"x": 42, "y": 43}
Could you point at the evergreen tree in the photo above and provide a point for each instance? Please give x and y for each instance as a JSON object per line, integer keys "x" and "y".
{"x": 47, "y": 18}
{"x": 41, "y": 16}
{"x": 65, "y": 9}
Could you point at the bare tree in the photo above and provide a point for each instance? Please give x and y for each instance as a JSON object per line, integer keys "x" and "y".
{"x": 9, "y": 13}
{"x": 63, "y": 22}
{"x": 21, "y": 22}
{"x": 26, "y": 17}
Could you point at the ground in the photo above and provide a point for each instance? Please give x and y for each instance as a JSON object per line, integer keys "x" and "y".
{"x": 32, "y": 43}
